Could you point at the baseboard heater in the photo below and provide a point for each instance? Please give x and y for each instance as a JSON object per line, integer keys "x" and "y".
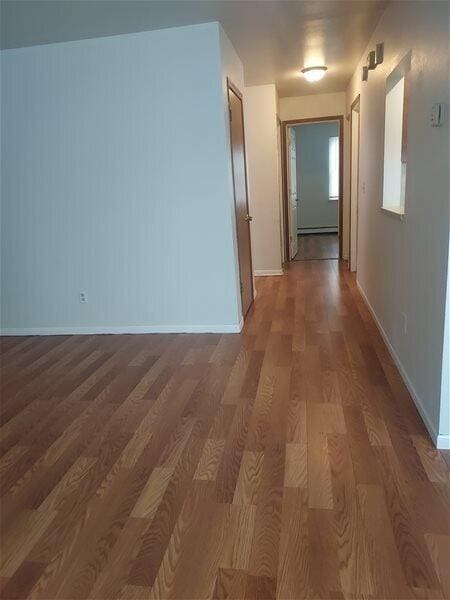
{"x": 303, "y": 230}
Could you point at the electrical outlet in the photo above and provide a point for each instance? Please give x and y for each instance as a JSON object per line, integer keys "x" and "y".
{"x": 405, "y": 323}
{"x": 83, "y": 297}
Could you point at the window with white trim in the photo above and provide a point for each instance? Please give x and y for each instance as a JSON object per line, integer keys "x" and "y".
{"x": 395, "y": 138}
{"x": 333, "y": 168}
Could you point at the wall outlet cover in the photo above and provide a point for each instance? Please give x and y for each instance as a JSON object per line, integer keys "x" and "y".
{"x": 438, "y": 114}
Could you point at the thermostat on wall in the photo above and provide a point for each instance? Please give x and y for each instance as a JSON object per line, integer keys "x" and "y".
{"x": 438, "y": 114}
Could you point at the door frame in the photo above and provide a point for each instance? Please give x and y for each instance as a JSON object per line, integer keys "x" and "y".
{"x": 288, "y": 196}
{"x": 354, "y": 103}
{"x": 233, "y": 88}
{"x": 284, "y": 126}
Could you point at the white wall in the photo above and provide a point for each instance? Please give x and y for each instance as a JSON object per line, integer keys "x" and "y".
{"x": 324, "y": 105}
{"x": 309, "y": 107}
{"x": 260, "y": 116}
{"x": 280, "y": 178}
{"x": 402, "y": 264}
{"x": 104, "y": 185}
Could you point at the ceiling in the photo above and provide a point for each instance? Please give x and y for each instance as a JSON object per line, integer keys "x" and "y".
{"x": 274, "y": 39}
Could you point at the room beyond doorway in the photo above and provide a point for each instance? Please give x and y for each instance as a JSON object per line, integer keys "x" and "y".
{"x": 313, "y": 181}
{"x": 317, "y": 246}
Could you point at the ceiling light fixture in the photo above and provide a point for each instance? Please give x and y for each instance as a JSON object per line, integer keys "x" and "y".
{"x": 312, "y": 74}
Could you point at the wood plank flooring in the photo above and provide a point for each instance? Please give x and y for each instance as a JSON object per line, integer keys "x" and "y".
{"x": 317, "y": 246}
{"x": 285, "y": 462}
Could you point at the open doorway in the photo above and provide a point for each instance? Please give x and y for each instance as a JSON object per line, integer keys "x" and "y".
{"x": 354, "y": 182}
{"x": 313, "y": 161}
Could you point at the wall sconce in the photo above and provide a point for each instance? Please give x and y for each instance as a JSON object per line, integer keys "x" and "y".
{"x": 374, "y": 58}
{"x": 379, "y": 53}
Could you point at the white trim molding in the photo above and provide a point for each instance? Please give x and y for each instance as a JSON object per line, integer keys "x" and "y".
{"x": 439, "y": 440}
{"x": 443, "y": 442}
{"x": 133, "y": 329}
{"x": 268, "y": 272}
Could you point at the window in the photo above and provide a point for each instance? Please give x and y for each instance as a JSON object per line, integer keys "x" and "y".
{"x": 395, "y": 129}
{"x": 333, "y": 166}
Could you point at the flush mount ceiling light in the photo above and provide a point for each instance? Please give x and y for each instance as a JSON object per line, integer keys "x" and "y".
{"x": 312, "y": 74}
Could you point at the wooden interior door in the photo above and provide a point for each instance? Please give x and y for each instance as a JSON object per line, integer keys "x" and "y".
{"x": 240, "y": 196}
{"x": 292, "y": 193}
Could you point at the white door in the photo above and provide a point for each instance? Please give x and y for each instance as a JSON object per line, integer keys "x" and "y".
{"x": 292, "y": 193}
{"x": 354, "y": 189}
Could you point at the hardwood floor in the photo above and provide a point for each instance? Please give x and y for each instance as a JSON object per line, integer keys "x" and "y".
{"x": 317, "y": 246}
{"x": 286, "y": 462}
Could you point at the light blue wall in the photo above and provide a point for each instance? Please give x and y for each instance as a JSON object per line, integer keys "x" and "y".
{"x": 116, "y": 181}
{"x": 402, "y": 263}
{"x": 314, "y": 207}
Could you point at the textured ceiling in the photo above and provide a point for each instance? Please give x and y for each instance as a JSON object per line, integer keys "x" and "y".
{"x": 273, "y": 38}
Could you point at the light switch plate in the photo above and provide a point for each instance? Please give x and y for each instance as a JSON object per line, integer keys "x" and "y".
{"x": 438, "y": 114}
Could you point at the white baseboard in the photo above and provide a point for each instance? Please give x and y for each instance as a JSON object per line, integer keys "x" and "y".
{"x": 317, "y": 230}
{"x": 437, "y": 439}
{"x": 443, "y": 442}
{"x": 134, "y": 329}
{"x": 268, "y": 272}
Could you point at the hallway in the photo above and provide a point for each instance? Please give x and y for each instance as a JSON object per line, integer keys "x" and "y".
{"x": 285, "y": 462}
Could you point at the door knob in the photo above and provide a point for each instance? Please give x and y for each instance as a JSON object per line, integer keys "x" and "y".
{"x": 248, "y": 218}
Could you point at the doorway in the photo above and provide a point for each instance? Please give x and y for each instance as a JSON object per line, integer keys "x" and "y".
{"x": 312, "y": 188}
{"x": 243, "y": 218}
{"x": 354, "y": 182}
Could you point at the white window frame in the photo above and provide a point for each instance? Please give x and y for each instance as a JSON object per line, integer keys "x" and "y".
{"x": 333, "y": 168}
{"x": 395, "y": 138}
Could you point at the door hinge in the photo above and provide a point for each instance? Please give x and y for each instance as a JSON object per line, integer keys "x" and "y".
{"x": 230, "y": 114}
{"x": 241, "y": 286}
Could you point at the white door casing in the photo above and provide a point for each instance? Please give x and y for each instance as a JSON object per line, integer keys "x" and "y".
{"x": 354, "y": 188}
{"x": 292, "y": 192}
